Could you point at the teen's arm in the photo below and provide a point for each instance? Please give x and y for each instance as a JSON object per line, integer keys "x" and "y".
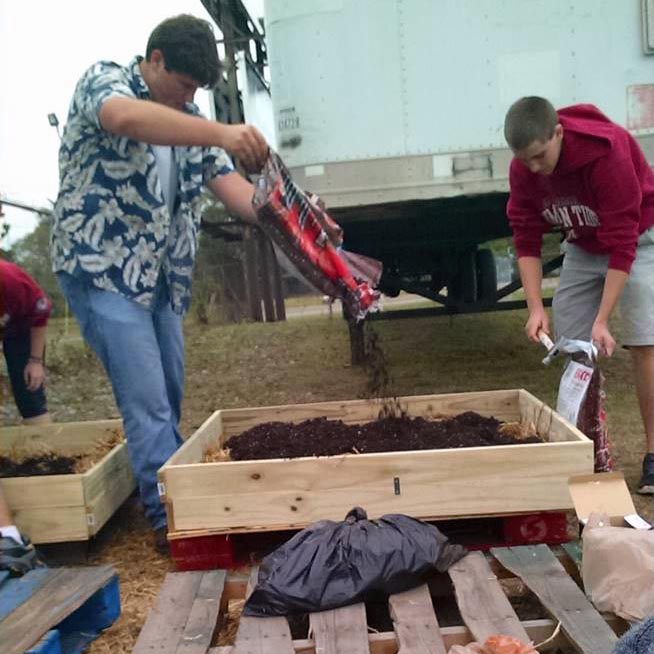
{"x": 235, "y": 192}
{"x": 613, "y": 286}
{"x": 34, "y": 372}
{"x": 531, "y": 275}
{"x": 151, "y": 122}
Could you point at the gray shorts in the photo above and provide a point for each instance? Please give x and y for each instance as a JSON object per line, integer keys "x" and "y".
{"x": 577, "y": 298}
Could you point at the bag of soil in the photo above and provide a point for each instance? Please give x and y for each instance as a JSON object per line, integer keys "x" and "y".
{"x": 299, "y": 226}
{"x": 581, "y": 398}
{"x": 332, "y": 564}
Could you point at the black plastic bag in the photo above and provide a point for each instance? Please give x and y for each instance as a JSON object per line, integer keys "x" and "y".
{"x": 331, "y": 564}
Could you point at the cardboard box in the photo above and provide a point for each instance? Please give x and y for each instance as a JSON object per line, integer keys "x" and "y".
{"x": 605, "y": 492}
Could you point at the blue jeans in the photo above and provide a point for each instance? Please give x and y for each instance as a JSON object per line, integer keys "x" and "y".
{"x": 143, "y": 353}
{"x": 17, "y": 347}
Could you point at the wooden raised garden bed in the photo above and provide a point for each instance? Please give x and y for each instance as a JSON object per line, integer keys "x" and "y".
{"x": 67, "y": 507}
{"x": 237, "y": 496}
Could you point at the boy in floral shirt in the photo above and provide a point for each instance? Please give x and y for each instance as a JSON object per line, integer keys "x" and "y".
{"x": 135, "y": 157}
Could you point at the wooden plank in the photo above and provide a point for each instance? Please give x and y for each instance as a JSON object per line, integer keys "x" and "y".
{"x": 546, "y": 421}
{"x": 194, "y": 448}
{"x": 386, "y": 642}
{"x": 484, "y": 607}
{"x": 415, "y": 624}
{"x": 492, "y": 480}
{"x": 166, "y": 621}
{"x": 106, "y": 486}
{"x": 560, "y": 595}
{"x": 574, "y": 551}
{"x": 56, "y": 524}
{"x": 16, "y": 590}
{"x": 262, "y": 635}
{"x": 64, "y": 592}
{"x": 43, "y": 491}
{"x": 64, "y": 437}
{"x": 340, "y": 631}
{"x": 203, "y": 617}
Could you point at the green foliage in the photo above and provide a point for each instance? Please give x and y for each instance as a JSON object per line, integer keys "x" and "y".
{"x": 32, "y": 252}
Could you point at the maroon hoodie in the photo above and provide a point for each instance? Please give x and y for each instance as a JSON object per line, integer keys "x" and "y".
{"x": 601, "y": 193}
{"x": 22, "y": 302}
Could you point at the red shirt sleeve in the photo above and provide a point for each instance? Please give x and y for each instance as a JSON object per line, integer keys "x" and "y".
{"x": 619, "y": 196}
{"x": 23, "y": 300}
{"x": 524, "y": 216}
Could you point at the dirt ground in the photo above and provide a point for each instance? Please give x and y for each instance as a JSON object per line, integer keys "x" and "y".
{"x": 307, "y": 360}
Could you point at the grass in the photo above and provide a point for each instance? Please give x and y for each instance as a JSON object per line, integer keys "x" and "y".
{"x": 305, "y": 360}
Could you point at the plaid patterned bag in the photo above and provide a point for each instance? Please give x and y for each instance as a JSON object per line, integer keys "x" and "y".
{"x": 299, "y": 227}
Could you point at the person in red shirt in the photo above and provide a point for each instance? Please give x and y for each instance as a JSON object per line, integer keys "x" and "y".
{"x": 577, "y": 172}
{"x": 24, "y": 313}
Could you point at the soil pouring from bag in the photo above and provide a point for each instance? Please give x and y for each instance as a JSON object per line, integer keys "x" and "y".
{"x": 393, "y": 431}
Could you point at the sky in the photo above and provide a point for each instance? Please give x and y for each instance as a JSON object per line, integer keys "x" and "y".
{"x": 44, "y": 48}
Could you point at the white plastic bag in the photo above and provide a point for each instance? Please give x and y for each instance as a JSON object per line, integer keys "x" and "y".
{"x": 572, "y": 390}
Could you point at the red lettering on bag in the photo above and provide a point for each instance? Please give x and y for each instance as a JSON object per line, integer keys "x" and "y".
{"x": 582, "y": 375}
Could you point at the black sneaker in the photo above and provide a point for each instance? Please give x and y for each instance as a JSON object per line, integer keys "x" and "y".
{"x": 646, "y": 484}
{"x": 161, "y": 541}
{"x": 18, "y": 558}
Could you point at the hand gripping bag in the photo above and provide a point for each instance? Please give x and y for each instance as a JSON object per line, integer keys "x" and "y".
{"x": 297, "y": 224}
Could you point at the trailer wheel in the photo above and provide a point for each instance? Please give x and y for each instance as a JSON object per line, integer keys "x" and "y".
{"x": 463, "y": 288}
{"x": 486, "y": 275}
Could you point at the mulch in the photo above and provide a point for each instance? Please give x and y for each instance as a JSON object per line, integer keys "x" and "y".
{"x": 394, "y": 433}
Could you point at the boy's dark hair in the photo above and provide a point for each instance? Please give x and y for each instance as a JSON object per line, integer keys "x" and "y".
{"x": 529, "y": 119}
{"x": 188, "y": 45}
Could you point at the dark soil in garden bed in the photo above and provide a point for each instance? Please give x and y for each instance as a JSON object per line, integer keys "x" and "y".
{"x": 45, "y": 464}
{"x": 323, "y": 437}
{"x": 44, "y": 461}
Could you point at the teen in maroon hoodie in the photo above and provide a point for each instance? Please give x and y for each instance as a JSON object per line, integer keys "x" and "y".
{"x": 577, "y": 172}
{"x": 24, "y": 313}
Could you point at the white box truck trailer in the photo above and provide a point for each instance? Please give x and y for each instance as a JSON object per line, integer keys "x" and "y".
{"x": 392, "y": 111}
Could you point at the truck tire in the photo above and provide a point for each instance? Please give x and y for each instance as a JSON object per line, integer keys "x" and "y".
{"x": 486, "y": 275}
{"x": 463, "y": 288}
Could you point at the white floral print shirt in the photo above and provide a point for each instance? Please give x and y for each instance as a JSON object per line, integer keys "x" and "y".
{"x": 111, "y": 224}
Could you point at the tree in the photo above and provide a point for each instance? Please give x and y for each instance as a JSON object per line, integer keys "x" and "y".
{"x": 32, "y": 252}
{"x": 219, "y": 293}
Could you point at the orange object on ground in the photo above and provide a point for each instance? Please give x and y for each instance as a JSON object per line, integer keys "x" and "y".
{"x": 498, "y": 644}
{"x": 495, "y": 644}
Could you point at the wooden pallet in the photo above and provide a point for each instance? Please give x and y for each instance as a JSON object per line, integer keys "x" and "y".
{"x": 56, "y": 609}
{"x": 64, "y": 508}
{"x": 190, "y": 604}
{"x": 240, "y": 496}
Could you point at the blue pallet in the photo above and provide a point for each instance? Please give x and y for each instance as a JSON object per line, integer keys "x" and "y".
{"x": 49, "y": 644}
{"x": 74, "y": 633}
